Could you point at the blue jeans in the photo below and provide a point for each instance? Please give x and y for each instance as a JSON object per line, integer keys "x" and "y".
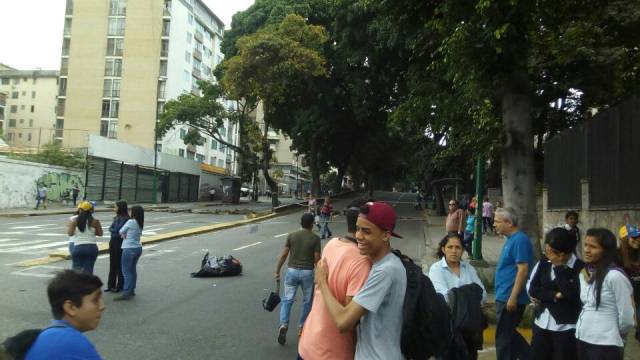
{"x": 325, "y": 232}
{"x": 130, "y": 258}
{"x": 44, "y": 202}
{"x": 83, "y": 257}
{"x": 509, "y": 343}
{"x": 293, "y": 279}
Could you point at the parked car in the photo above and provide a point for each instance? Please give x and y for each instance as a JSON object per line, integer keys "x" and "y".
{"x": 245, "y": 191}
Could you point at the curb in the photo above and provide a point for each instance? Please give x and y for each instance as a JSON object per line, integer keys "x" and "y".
{"x": 104, "y": 247}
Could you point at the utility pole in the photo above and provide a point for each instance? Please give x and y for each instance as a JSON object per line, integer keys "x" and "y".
{"x": 297, "y": 176}
{"x": 477, "y": 239}
{"x": 155, "y": 164}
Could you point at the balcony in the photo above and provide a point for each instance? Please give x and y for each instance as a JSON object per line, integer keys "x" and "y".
{"x": 198, "y": 36}
{"x": 196, "y": 73}
{"x": 197, "y": 54}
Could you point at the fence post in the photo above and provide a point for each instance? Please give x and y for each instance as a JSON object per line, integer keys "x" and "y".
{"x": 121, "y": 175}
{"x": 104, "y": 179}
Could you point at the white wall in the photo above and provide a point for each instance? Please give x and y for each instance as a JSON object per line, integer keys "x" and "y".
{"x": 18, "y": 182}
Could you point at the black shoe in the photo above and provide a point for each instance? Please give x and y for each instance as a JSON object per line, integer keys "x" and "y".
{"x": 122, "y": 298}
{"x": 107, "y": 290}
{"x": 282, "y": 335}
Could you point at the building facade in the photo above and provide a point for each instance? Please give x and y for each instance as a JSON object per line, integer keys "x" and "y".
{"x": 27, "y": 106}
{"x": 122, "y": 60}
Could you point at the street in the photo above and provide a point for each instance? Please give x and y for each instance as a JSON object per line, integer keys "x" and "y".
{"x": 176, "y": 317}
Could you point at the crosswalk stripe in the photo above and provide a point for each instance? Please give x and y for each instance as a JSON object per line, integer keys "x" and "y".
{"x": 23, "y": 243}
{"x": 34, "y": 247}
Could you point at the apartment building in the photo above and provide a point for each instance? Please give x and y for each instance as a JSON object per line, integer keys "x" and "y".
{"x": 27, "y": 106}
{"x": 122, "y": 60}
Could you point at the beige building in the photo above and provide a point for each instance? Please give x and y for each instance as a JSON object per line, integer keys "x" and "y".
{"x": 123, "y": 59}
{"x": 28, "y": 117}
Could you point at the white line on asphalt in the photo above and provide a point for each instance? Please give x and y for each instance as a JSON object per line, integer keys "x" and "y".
{"x": 7, "y": 239}
{"x": 51, "y": 234}
{"x": 30, "y": 226}
{"x": 12, "y": 233}
{"x": 24, "y": 272}
{"x": 23, "y": 242}
{"x": 34, "y": 247}
{"x": 246, "y": 246}
{"x": 281, "y": 235}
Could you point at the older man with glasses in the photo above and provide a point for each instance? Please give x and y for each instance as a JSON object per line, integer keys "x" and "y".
{"x": 455, "y": 219}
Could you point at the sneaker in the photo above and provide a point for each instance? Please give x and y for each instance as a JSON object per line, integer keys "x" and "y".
{"x": 282, "y": 335}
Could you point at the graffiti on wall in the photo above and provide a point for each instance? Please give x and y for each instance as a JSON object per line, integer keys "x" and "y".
{"x": 59, "y": 185}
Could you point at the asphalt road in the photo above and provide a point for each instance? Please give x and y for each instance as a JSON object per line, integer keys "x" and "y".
{"x": 176, "y": 317}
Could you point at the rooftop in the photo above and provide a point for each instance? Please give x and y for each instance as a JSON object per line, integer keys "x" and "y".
{"x": 29, "y": 73}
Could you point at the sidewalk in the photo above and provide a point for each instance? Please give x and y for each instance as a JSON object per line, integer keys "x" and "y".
{"x": 491, "y": 248}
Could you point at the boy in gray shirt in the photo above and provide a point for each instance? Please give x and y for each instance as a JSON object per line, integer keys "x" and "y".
{"x": 378, "y": 305}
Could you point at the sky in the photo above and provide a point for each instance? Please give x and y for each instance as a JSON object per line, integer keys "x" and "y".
{"x": 31, "y": 30}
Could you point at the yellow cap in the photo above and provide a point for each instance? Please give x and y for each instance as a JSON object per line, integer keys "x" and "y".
{"x": 86, "y": 206}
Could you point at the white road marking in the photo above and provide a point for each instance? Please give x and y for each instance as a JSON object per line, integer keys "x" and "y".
{"x": 5, "y": 240}
{"x": 34, "y": 247}
{"x": 149, "y": 233}
{"x": 29, "y": 242}
{"x": 281, "y": 235}
{"x": 12, "y": 233}
{"x": 24, "y": 272}
{"x": 246, "y": 246}
{"x": 30, "y": 226}
{"x": 51, "y": 234}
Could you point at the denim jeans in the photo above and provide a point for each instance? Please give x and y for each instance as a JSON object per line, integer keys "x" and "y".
{"x": 44, "y": 202}
{"x": 510, "y": 344}
{"x": 83, "y": 257}
{"x": 325, "y": 232}
{"x": 293, "y": 279}
{"x": 130, "y": 258}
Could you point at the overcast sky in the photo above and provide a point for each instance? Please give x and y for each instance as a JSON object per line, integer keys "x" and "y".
{"x": 31, "y": 30}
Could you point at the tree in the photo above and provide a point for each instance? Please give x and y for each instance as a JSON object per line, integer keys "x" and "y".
{"x": 273, "y": 64}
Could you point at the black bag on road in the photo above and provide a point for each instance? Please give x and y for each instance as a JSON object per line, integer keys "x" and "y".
{"x": 271, "y": 301}
{"x": 218, "y": 266}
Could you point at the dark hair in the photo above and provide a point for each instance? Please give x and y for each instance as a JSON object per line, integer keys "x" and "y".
{"x": 570, "y": 213}
{"x": 137, "y": 212}
{"x": 628, "y": 255}
{"x": 351, "y": 213}
{"x": 607, "y": 241}
{"x": 445, "y": 241}
{"x": 306, "y": 221}
{"x": 122, "y": 209}
{"x": 84, "y": 218}
{"x": 560, "y": 239}
{"x": 70, "y": 285}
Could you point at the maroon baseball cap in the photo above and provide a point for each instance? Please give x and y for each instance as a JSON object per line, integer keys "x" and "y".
{"x": 382, "y": 215}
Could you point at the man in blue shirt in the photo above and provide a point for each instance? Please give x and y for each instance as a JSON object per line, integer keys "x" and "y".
{"x": 77, "y": 306}
{"x": 512, "y": 272}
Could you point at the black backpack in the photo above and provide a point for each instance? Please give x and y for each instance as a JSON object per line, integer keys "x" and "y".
{"x": 218, "y": 266}
{"x": 426, "y": 327}
{"x": 18, "y": 345}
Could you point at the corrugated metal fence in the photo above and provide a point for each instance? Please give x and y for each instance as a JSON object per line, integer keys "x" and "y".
{"x": 605, "y": 151}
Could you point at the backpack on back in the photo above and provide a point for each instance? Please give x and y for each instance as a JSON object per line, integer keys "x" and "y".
{"x": 426, "y": 328}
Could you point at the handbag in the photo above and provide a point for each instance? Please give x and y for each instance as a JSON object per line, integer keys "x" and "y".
{"x": 271, "y": 301}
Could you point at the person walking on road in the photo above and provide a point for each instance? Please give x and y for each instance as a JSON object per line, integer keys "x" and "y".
{"x": 77, "y": 305}
{"x": 115, "y": 283}
{"x": 377, "y": 307}
{"x": 303, "y": 250}
{"x": 455, "y": 221}
{"x": 41, "y": 196}
{"x": 630, "y": 256}
{"x": 325, "y": 217}
{"x": 348, "y": 271}
{"x": 607, "y": 304}
{"x": 554, "y": 288}
{"x": 487, "y": 215}
{"x": 75, "y": 191}
{"x": 131, "y": 232}
{"x": 84, "y": 229}
{"x": 516, "y": 258}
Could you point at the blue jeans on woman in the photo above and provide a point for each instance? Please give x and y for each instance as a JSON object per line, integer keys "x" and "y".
{"x": 130, "y": 257}
{"x": 293, "y": 279}
{"x": 325, "y": 233}
{"x": 83, "y": 257}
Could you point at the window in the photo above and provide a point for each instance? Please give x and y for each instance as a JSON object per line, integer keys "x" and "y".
{"x": 187, "y": 77}
{"x": 190, "y": 19}
{"x": 24, "y": 93}
{"x": 60, "y": 107}
{"x": 112, "y": 67}
{"x": 67, "y": 27}
{"x": 159, "y": 109}
{"x": 64, "y": 66}
{"x": 214, "y": 145}
{"x": 15, "y": 94}
{"x": 110, "y": 108}
{"x": 220, "y": 163}
{"x": 111, "y": 88}
{"x": 116, "y": 27}
{"x": 213, "y": 161}
{"x": 29, "y": 137}
{"x": 66, "y": 44}
{"x": 20, "y": 135}
{"x": 12, "y": 123}
{"x": 5, "y": 81}
{"x": 21, "y": 121}
{"x": 69, "y": 8}
{"x": 188, "y": 38}
{"x": 62, "y": 87}
{"x": 109, "y": 128}
{"x": 191, "y": 155}
{"x": 163, "y": 67}
{"x": 118, "y": 7}
{"x": 16, "y": 81}
{"x": 34, "y": 80}
{"x": 33, "y": 93}
{"x": 10, "y": 136}
{"x": 164, "y": 49}
{"x": 30, "y": 122}
{"x": 14, "y": 109}
{"x": 33, "y": 108}
{"x": 162, "y": 86}
{"x": 114, "y": 47}
{"x": 187, "y": 57}
{"x": 200, "y": 157}
{"x": 181, "y": 152}
{"x": 166, "y": 27}
{"x": 183, "y": 133}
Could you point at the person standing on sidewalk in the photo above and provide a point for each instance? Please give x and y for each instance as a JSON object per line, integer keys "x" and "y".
{"x": 75, "y": 191}
{"x": 377, "y": 308}
{"x": 131, "y": 232}
{"x": 571, "y": 224}
{"x": 630, "y": 256}
{"x": 487, "y": 215}
{"x": 116, "y": 278}
{"x": 325, "y": 217}
{"x": 455, "y": 221}
{"x": 41, "y": 196}
{"x": 554, "y": 288}
{"x": 303, "y": 250}
{"x": 607, "y": 304}
{"x": 348, "y": 271}
{"x": 84, "y": 229}
{"x": 516, "y": 258}
{"x": 469, "y": 231}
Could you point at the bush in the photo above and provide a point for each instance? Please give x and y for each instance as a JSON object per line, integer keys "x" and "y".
{"x": 53, "y": 154}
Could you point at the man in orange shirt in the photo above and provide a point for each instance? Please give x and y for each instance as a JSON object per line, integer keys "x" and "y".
{"x": 348, "y": 271}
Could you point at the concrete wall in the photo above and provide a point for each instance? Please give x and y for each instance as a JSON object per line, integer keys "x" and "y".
{"x": 208, "y": 181}
{"x": 19, "y": 179}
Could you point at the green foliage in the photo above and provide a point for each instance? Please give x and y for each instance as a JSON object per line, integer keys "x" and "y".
{"x": 53, "y": 154}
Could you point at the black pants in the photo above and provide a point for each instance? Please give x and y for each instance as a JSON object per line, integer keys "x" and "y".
{"x": 116, "y": 279}
{"x": 510, "y": 344}
{"x": 552, "y": 345}
{"x": 588, "y": 351}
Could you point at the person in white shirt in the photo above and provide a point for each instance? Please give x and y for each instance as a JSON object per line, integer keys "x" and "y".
{"x": 607, "y": 311}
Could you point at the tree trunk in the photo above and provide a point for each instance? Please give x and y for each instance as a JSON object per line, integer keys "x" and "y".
{"x": 518, "y": 171}
{"x": 266, "y": 159}
{"x": 440, "y": 208}
{"x": 342, "y": 169}
{"x": 315, "y": 168}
